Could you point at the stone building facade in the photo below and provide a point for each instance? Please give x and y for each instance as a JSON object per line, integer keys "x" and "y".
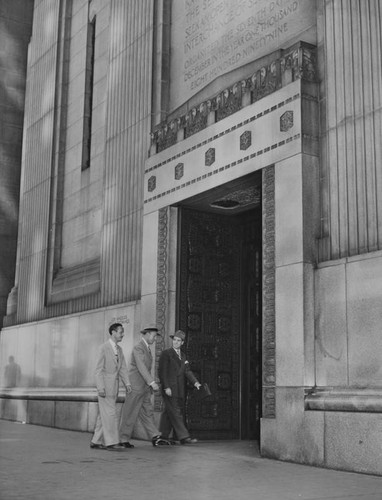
{"x": 15, "y": 31}
{"x": 211, "y": 166}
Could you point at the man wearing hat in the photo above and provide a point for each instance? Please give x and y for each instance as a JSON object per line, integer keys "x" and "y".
{"x": 173, "y": 370}
{"x": 138, "y": 402}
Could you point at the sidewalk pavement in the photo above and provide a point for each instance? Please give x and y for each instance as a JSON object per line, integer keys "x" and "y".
{"x": 42, "y": 463}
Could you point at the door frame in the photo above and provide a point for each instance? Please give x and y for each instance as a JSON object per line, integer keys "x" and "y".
{"x": 166, "y": 296}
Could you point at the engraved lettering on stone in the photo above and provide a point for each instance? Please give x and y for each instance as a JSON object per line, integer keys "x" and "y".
{"x": 215, "y": 37}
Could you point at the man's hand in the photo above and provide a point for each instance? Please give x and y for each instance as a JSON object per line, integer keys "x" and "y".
{"x": 198, "y": 385}
{"x": 128, "y": 389}
{"x": 155, "y": 386}
{"x": 168, "y": 392}
{"x": 102, "y": 393}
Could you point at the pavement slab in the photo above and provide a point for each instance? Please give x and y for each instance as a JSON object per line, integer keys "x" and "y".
{"x": 43, "y": 463}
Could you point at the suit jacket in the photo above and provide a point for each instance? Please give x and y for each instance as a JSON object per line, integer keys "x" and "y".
{"x": 108, "y": 370}
{"x": 172, "y": 372}
{"x": 140, "y": 367}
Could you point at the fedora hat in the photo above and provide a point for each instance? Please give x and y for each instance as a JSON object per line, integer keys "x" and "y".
{"x": 179, "y": 334}
{"x": 150, "y": 328}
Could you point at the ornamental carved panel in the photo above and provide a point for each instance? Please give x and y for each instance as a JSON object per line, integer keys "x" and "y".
{"x": 220, "y": 310}
{"x": 286, "y": 121}
{"x": 152, "y": 183}
{"x": 269, "y": 310}
{"x": 245, "y": 140}
{"x": 228, "y": 103}
{"x": 179, "y": 171}
{"x": 162, "y": 290}
{"x": 209, "y": 313}
{"x": 210, "y": 157}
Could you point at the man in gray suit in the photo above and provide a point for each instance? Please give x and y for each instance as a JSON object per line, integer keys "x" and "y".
{"x": 138, "y": 402}
{"x": 110, "y": 367}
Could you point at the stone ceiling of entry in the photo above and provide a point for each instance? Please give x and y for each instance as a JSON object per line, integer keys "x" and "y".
{"x": 246, "y": 190}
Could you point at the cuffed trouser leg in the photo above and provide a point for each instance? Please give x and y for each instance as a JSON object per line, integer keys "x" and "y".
{"x": 174, "y": 414}
{"x": 137, "y": 404}
{"x": 106, "y": 428}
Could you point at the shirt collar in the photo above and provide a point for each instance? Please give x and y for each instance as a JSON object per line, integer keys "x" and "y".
{"x": 113, "y": 345}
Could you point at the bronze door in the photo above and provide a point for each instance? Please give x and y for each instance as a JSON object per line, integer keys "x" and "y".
{"x": 216, "y": 312}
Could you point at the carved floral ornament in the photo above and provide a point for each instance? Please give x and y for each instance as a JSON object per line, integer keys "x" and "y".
{"x": 245, "y": 140}
{"x": 179, "y": 171}
{"x": 209, "y": 157}
{"x": 286, "y": 121}
{"x": 152, "y": 183}
{"x": 296, "y": 63}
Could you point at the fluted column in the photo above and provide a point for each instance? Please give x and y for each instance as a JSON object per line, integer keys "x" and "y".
{"x": 127, "y": 145}
{"x": 351, "y": 133}
{"x": 37, "y": 159}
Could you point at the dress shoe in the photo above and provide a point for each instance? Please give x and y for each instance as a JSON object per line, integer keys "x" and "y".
{"x": 160, "y": 441}
{"x": 115, "y": 447}
{"x": 127, "y": 445}
{"x": 97, "y": 446}
{"x": 188, "y": 440}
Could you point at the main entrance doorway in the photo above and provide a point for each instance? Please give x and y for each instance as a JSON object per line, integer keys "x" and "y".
{"x": 219, "y": 306}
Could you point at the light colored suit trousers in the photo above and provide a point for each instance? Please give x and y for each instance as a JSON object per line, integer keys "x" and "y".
{"x": 109, "y": 370}
{"x": 138, "y": 403}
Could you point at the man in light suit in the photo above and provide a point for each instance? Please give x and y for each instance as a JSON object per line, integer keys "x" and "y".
{"x": 138, "y": 402}
{"x": 110, "y": 367}
{"x": 173, "y": 370}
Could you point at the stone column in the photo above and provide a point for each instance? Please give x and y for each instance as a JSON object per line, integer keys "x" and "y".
{"x": 295, "y": 193}
{"x": 16, "y": 21}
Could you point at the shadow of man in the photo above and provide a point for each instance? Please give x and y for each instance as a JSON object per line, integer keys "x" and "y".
{"x": 12, "y": 373}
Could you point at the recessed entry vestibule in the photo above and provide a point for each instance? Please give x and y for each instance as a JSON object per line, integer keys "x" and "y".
{"x": 219, "y": 305}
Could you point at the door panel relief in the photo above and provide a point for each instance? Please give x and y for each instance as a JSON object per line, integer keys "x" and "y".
{"x": 209, "y": 313}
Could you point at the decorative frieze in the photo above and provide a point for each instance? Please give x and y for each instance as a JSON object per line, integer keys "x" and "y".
{"x": 296, "y": 63}
{"x": 228, "y": 102}
{"x": 196, "y": 120}
{"x": 167, "y": 136}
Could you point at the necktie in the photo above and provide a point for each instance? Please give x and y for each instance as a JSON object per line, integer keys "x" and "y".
{"x": 178, "y": 353}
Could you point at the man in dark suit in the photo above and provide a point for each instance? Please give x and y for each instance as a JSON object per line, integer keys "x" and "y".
{"x": 110, "y": 368}
{"x": 138, "y": 402}
{"x": 173, "y": 370}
